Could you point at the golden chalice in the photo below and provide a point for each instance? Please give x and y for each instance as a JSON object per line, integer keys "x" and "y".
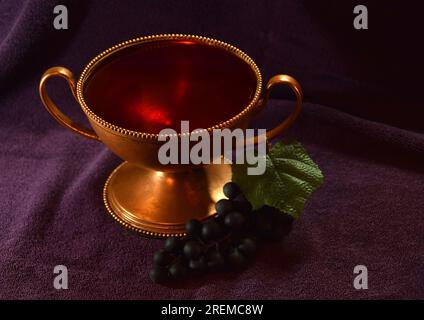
{"x": 133, "y": 90}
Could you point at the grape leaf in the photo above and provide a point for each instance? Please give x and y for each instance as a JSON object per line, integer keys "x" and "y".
{"x": 289, "y": 179}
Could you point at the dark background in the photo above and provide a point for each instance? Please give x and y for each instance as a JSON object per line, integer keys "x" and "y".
{"x": 362, "y": 123}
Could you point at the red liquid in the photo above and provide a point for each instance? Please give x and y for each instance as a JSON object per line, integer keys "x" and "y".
{"x": 157, "y": 85}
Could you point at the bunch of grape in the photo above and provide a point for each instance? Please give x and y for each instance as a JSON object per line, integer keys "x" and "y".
{"x": 228, "y": 240}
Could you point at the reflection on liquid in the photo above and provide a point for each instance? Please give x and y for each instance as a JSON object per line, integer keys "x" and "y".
{"x": 153, "y": 86}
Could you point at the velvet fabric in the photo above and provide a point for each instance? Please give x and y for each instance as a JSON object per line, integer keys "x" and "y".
{"x": 362, "y": 123}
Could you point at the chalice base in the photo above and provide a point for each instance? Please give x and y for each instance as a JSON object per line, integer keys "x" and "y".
{"x": 158, "y": 204}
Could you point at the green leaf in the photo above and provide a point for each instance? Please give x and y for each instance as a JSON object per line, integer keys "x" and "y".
{"x": 289, "y": 179}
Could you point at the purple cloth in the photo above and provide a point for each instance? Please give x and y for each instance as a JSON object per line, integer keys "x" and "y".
{"x": 362, "y": 123}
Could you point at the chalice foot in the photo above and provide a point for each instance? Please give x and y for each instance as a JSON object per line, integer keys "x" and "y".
{"x": 158, "y": 204}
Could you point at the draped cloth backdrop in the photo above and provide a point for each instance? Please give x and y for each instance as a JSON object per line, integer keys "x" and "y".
{"x": 362, "y": 123}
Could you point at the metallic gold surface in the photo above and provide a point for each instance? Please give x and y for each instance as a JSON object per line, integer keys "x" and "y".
{"x": 159, "y": 203}
{"x": 51, "y": 107}
{"x": 283, "y": 79}
{"x": 142, "y": 194}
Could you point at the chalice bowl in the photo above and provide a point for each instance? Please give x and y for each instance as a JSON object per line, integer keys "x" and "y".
{"x": 133, "y": 90}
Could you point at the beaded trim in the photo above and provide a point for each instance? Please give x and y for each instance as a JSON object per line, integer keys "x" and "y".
{"x": 126, "y": 44}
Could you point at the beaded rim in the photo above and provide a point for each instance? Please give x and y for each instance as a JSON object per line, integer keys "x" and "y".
{"x": 146, "y": 233}
{"x": 137, "y": 134}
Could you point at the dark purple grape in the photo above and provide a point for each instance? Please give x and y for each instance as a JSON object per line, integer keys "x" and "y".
{"x": 194, "y": 253}
{"x": 236, "y": 259}
{"x": 198, "y": 264}
{"x": 211, "y": 230}
{"x": 223, "y": 206}
{"x": 285, "y": 219}
{"x": 193, "y": 227}
{"x": 287, "y": 227}
{"x": 192, "y": 249}
{"x": 159, "y": 274}
{"x": 241, "y": 204}
{"x": 273, "y": 224}
{"x": 215, "y": 260}
{"x": 173, "y": 245}
{"x": 234, "y": 220}
{"x": 231, "y": 190}
{"x": 178, "y": 270}
{"x": 277, "y": 232}
{"x": 252, "y": 219}
{"x": 220, "y": 219}
{"x": 269, "y": 212}
{"x": 162, "y": 258}
{"x": 247, "y": 247}
{"x": 265, "y": 228}
{"x": 282, "y": 226}
{"x": 265, "y": 220}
